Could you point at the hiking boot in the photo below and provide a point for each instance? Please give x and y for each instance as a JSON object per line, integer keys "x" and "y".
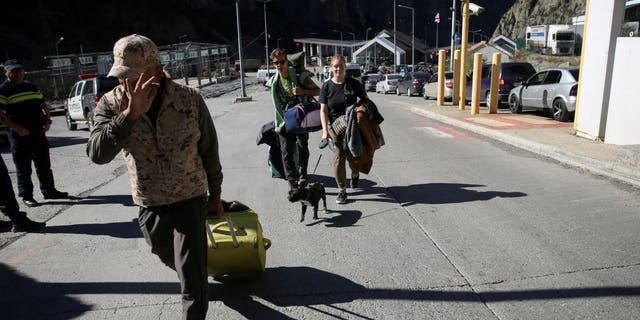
{"x": 30, "y": 202}
{"x": 342, "y": 197}
{"x": 56, "y": 195}
{"x": 355, "y": 178}
{"x": 23, "y": 224}
{"x": 293, "y": 190}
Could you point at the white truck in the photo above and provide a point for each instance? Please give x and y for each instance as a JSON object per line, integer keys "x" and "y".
{"x": 554, "y": 39}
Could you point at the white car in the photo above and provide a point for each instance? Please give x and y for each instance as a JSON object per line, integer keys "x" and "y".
{"x": 552, "y": 89}
{"x": 388, "y": 83}
{"x": 84, "y": 97}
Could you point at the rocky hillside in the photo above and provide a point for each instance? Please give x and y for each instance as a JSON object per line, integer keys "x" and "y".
{"x": 532, "y": 12}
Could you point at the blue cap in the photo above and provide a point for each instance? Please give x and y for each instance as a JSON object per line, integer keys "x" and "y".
{"x": 12, "y": 65}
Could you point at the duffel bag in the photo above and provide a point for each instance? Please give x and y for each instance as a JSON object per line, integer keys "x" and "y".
{"x": 303, "y": 117}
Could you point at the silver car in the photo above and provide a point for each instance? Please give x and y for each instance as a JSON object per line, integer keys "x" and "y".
{"x": 388, "y": 83}
{"x": 552, "y": 89}
{"x": 431, "y": 86}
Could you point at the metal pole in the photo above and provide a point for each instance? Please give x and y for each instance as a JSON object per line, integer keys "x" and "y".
{"x": 412, "y": 34}
{"x": 453, "y": 32}
{"x": 266, "y": 35}
{"x": 394, "y": 37}
{"x": 60, "y": 67}
{"x": 366, "y": 51}
{"x": 242, "y": 86}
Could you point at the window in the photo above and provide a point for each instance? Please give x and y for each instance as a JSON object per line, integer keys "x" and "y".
{"x": 553, "y": 77}
{"x": 537, "y": 78}
{"x": 88, "y": 87}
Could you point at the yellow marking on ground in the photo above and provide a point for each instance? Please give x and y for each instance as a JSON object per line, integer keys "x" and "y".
{"x": 489, "y": 122}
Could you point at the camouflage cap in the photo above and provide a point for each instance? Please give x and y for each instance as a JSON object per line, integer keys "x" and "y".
{"x": 132, "y": 55}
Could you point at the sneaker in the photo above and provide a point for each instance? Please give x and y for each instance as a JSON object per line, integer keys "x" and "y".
{"x": 56, "y": 195}
{"x": 30, "y": 202}
{"x": 354, "y": 180}
{"x": 342, "y": 197}
{"x": 24, "y": 224}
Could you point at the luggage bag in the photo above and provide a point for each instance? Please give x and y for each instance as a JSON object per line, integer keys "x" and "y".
{"x": 235, "y": 242}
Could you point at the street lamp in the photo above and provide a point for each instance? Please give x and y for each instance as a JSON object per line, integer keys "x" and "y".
{"x": 453, "y": 33}
{"x": 60, "y": 67}
{"x": 474, "y": 35}
{"x": 366, "y": 51}
{"x": 354, "y": 41}
{"x": 394, "y": 37}
{"x": 334, "y": 30}
{"x": 266, "y": 35}
{"x": 242, "y": 86}
{"x": 182, "y": 73}
{"x": 413, "y": 64}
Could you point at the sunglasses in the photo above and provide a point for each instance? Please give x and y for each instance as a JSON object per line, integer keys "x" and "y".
{"x": 279, "y": 62}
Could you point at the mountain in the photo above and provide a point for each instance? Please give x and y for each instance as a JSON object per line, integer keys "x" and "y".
{"x": 33, "y": 28}
{"x": 525, "y": 13}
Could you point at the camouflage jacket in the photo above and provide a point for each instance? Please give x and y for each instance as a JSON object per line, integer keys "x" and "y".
{"x": 174, "y": 160}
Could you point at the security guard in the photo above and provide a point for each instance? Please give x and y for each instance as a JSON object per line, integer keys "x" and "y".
{"x": 24, "y": 104}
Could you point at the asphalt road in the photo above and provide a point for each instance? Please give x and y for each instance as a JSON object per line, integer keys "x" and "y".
{"x": 448, "y": 225}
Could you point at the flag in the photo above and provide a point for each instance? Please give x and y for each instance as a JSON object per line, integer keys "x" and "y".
{"x": 438, "y": 17}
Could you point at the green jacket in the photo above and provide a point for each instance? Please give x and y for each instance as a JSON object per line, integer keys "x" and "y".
{"x": 280, "y": 102}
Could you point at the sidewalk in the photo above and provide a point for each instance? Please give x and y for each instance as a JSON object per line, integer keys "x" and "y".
{"x": 541, "y": 135}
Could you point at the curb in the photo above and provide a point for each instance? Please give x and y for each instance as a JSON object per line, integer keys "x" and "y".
{"x": 611, "y": 170}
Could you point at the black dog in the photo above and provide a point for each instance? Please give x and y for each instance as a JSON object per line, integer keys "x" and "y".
{"x": 310, "y": 196}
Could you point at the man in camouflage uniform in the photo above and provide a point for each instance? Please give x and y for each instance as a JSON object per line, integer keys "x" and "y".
{"x": 170, "y": 147}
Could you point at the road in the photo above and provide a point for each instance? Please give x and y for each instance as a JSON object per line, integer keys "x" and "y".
{"x": 448, "y": 225}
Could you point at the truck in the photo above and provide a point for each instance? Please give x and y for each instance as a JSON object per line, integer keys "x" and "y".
{"x": 553, "y": 39}
{"x": 248, "y": 64}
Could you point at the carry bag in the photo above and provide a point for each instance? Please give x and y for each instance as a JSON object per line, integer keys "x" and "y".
{"x": 235, "y": 243}
{"x": 303, "y": 117}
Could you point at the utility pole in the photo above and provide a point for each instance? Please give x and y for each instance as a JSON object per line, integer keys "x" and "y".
{"x": 453, "y": 33}
{"x": 266, "y": 35}
{"x": 242, "y": 86}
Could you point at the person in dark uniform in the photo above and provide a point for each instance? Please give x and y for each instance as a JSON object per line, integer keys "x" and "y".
{"x": 8, "y": 203}
{"x": 24, "y": 104}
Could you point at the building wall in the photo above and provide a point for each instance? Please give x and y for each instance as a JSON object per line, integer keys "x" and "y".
{"x": 623, "y": 120}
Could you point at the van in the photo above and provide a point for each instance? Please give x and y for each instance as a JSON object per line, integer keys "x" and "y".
{"x": 84, "y": 97}
{"x": 352, "y": 71}
{"x": 511, "y": 75}
{"x": 263, "y": 76}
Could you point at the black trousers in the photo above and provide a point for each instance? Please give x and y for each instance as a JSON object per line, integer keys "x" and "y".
{"x": 177, "y": 236}
{"x": 287, "y": 147}
{"x": 8, "y": 203}
{"x": 31, "y": 148}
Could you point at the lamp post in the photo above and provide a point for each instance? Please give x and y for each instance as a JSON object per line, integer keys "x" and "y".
{"x": 453, "y": 33}
{"x": 60, "y": 67}
{"x": 474, "y": 35}
{"x": 334, "y": 30}
{"x": 413, "y": 63}
{"x": 366, "y": 51}
{"x": 266, "y": 35}
{"x": 183, "y": 53}
{"x": 354, "y": 41}
{"x": 242, "y": 86}
{"x": 394, "y": 37}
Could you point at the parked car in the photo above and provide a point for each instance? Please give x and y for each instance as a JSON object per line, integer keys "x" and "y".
{"x": 430, "y": 87}
{"x": 84, "y": 97}
{"x": 412, "y": 83}
{"x": 552, "y": 89}
{"x": 511, "y": 75}
{"x": 388, "y": 83}
{"x": 263, "y": 76}
{"x": 370, "y": 81}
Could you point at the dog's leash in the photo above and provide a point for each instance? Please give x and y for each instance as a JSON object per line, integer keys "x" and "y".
{"x": 317, "y": 162}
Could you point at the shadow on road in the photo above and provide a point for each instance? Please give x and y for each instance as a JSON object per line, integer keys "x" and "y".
{"x": 56, "y": 142}
{"x": 440, "y": 193}
{"x": 123, "y": 199}
{"x": 27, "y": 298}
{"x": 281, "y": 286}
{"x": 125, "y": 230}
